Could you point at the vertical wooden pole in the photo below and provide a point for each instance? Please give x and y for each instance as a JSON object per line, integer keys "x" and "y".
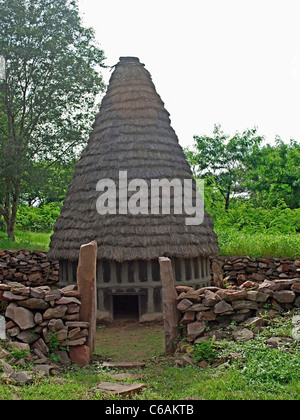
{"x": 171, "y": 314}
{"x": 86, "y": 281}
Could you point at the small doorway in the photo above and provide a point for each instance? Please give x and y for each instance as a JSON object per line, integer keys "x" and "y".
{"x": 126, "y": 306}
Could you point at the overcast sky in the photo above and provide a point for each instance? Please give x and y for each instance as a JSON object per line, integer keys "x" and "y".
{"x": 233, "y": 62}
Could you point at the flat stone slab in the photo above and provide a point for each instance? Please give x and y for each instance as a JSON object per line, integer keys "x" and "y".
{"x": 122, "y": 376}
{"x": 119, "y": 389}
{"x": 123, "y": 364}
{"x": 2, "y": 328}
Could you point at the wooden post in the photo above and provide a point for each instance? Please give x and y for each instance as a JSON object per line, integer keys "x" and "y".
{"x": 217, "y": 274}
{"x": 171, "y": 314}
{"x": 86, "y": 281}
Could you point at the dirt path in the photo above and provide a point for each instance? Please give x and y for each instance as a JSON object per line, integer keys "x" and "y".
{"x": 129, "y": 341}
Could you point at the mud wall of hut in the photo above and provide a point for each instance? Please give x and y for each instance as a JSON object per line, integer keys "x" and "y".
{"x": 135, "y": 285}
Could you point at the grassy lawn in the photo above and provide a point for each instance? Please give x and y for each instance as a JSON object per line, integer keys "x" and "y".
{"x": 27, "y": 240}
{"x": 247, "y": 371}
{"x": 259, "y": 244}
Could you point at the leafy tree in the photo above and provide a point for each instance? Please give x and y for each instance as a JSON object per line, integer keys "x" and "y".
{"x": 47, "y": 100}
{"x": 274, "y": 175}
{"x": 222, "y": 160}
{"x": 40, "y": 189}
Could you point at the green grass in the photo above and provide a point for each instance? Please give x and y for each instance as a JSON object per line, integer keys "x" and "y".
{"x": 165, "y": 382}
{"x": 27, "y": 240}
{"x": 145, "y": 340}
{"x": 259, "y": 244}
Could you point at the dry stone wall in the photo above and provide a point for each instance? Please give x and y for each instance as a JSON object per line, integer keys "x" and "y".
{"x": 44, "y": 320}
{"x": 31, "y": 268}
{"x": 207, "y": 312}
{"x": 236, "y": 270}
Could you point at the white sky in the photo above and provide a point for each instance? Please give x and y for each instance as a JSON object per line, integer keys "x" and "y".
{"x": 234, "y": 62}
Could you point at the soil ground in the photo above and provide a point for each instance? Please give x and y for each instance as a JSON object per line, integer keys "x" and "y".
{"x": 128, "y": 341}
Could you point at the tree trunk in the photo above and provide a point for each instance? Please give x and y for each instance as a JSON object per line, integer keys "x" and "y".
{"x": 227, "y": 198}
{"x": 11, "y": 232}
{"x": 225, "y": 195}
{"x": 10, "y": 211}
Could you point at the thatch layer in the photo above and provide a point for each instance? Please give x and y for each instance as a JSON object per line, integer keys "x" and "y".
{"x": 131, "y": 133}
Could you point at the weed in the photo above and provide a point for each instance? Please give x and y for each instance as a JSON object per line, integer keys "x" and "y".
{"x": 18, "y": 354}
{"x": 54, "y": 344}
{"x": 207, "y": 350}
{"x": 272, "y": 367}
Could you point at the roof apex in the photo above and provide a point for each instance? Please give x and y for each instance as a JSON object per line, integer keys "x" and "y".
{"x": 135, "y": 59}
{"x": 129, "y": 59}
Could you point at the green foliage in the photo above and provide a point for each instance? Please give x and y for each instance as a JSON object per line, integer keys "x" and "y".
{"x": 223, "y": 159}
{"x": 53, "y": 345}
{"x": 246, "y": 229}
{"x": 258, "y": 221}
{"x": 38, "y": 219}
{"x": 274, "y": 368}
{"x": 18, "y": 354}
{"x": 26, "y": 240}
{"x": 40, "y": 188}
{"x": 207, "y": 350}
{"x": 233, "y": 243}
{"x": 53, "y": 341}
{"x": 240, "y": 168}
{"x": 245, "y": 218}
{"x": 274, "y": 175}
{"x": 47, "y": 101}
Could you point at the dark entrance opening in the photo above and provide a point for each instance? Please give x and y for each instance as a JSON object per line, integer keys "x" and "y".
{"x": 126, "y": 306}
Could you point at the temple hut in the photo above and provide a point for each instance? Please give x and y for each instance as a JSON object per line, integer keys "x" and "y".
{"x": 132, "y": 137}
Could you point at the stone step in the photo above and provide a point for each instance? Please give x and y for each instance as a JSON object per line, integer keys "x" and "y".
{"x": 123, "y": 364}
{"x": 119, "y": 389}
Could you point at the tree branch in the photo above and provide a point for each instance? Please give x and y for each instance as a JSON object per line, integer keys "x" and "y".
{"x": 2, "y": 211}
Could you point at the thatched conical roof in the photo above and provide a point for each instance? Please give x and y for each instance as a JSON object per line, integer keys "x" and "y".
{"x": 132, "y": 132}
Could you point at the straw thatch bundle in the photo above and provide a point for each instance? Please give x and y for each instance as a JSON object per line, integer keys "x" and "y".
{"x": 131, "y": 133}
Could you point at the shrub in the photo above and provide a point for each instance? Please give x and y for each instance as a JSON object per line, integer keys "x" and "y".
{"x": 207, "y": 350}
{"x": 37, "y": 219}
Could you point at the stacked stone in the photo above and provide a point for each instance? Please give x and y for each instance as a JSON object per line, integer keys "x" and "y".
{"x": 239, "y": 269}
{"x": 204, "y": 312}
{"x": 29, "y": 268}
{"x": 47, "y": 320}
